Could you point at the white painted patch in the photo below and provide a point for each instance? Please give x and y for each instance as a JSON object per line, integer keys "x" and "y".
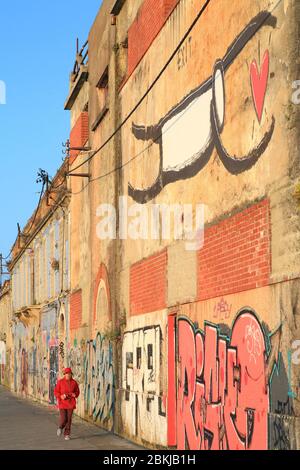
{"x": 141, "y": 382}
{"x": 187, "y": 134}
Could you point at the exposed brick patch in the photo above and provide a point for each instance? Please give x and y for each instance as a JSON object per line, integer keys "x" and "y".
{"x": 79, "y": 135}
{"x": 150, "y": 19}
{"x": 148, "y": 284}
{"x": 237, "y": 253}
{"x": 76, "y": 310}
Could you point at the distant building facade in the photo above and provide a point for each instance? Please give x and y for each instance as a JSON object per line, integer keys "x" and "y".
{"x": 40, "y": 286}
{"x": 5, "y": 334}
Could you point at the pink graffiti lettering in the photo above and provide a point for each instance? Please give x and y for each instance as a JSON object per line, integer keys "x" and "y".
{"x": 222, "y": 399}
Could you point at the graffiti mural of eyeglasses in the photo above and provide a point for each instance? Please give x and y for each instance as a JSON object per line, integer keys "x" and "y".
{"x": 189, "y": 133}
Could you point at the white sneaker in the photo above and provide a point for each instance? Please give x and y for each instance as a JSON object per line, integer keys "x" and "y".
{"x": 67, "y": 438}
{"x": 58, "y": 432}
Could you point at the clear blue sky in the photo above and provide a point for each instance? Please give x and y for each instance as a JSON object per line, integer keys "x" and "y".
{"x": 37, "y": 53}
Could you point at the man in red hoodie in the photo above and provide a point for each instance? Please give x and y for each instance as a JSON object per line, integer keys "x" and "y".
{"x": 66, "y": 392}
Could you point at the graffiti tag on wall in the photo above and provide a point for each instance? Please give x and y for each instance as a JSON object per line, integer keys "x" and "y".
{"x": 223, "y": 385}
{"x": 53, "y": 372}
{"x": 99, "y": 381}
{"x": 75, "y": 361}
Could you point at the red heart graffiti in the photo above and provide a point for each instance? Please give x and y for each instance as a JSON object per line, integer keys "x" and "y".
{"x": 259, "y": 81}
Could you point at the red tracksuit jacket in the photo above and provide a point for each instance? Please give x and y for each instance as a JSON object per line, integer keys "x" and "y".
{"x": 66, "y": 387}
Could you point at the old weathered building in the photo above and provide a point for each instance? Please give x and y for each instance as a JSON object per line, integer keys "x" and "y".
{"x": 5, "y": 334}
{"x": 39, "y": 270}
{"x": 180, "y": 312}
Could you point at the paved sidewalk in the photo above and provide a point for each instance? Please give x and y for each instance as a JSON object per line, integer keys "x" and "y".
{"x": 26, "y": 425}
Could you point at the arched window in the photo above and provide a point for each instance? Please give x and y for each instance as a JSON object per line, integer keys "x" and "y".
{"x": 102, "y": 302}
{"x": 102, "y": 307}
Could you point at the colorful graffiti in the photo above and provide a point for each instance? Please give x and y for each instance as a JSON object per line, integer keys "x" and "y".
{"x": 281, "y": 433}
{"x": 99, "y": 393}
{"x": 185, "y": 149}
{"x": 62, "y": 350}
{"x": 42, "y": 373}
{"x": 36, "y": 355}
{"x": 142, "y": 374}
{"x": 281, "y": 416}
{"x": 61, "y": 354}
{"x": 53, "y": 360}
{"x": 280, "y": 423}
{"x": 222, "y": 385}
{"x": 32, "y": 371}
{"x": 75, "y": 361}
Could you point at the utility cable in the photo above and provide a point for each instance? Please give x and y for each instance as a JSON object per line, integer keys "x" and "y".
{"x": 199, "y": 15}
{"x": 142, "y": 99}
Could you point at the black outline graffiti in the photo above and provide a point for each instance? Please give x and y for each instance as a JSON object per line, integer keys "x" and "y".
{"x": 62, "y": 350}
{"x": 271, "y": 363}
{"x": 99, "y": 380}
{"x": 281, "y": 434}
{"x": 233, "y": 164}
{"x": 54, "y": 368}
{"x": 129, "y": 365}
